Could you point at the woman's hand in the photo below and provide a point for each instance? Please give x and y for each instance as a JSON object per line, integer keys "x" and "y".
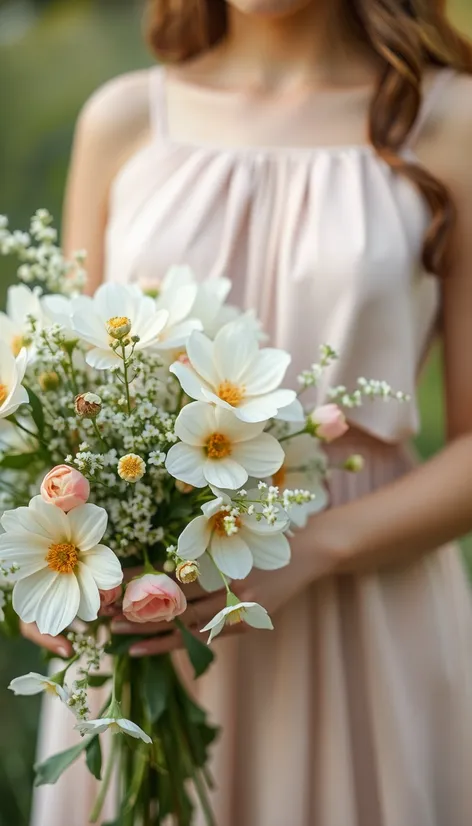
{"x": 60, "y": 646}
{"x": 311, "y": 560}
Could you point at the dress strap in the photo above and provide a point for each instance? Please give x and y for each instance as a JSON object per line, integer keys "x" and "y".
{"x": 158, "y": 101}
{"x": 430, "y": 100}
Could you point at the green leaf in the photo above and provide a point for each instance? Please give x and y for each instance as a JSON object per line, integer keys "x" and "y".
{"x": 97, "y": 680}
{"x": 200, "y": 655}
{"x": 156, "y": 685}
{"x": 18, "y": 461}
{"x": 93, "y": 757}
{"x": 50, "y": 771}
{"x": 36, "y": 410}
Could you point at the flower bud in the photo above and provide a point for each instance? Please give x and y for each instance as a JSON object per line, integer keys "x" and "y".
{"x": 49, "y": 381}
{"x": 327, "y": 423}
{"x": 187, "y": 572}
{"x": 87, "y": 405}
{"x": 169, "y": 566}
{"x": 354, "y": 463}
{"x": 183, "y": 487}
{"x": 118, "y": 327}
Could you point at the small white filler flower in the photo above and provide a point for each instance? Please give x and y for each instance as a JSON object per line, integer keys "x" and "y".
{"x": 34, "y": 683}
{"x": 117, "y": 725}
{"x": 249, "y": 612}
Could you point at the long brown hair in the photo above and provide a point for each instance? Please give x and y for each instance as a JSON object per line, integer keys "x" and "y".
{"x": 408, "y": 35}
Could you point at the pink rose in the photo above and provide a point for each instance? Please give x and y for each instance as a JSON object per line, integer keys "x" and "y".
{"x": 153, "y": 597}
{"x": 108, "y": 598}
{"x": 329, "y": 422}
{"x": 65, "y": 487}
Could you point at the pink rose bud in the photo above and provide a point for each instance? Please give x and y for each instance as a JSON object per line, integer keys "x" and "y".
{"x": 153, "y": 598}
{"x": 65, "y": 487}
{"x": 328, "y": 422}
{"x": 108, "y": 598}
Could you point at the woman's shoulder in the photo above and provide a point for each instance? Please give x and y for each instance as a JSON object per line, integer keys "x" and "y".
{"x": 445, "y": 143}
{"x": 119, "y": 106}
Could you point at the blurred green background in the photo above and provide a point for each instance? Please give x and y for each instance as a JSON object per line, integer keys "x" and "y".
{"x": 52, "y": 56}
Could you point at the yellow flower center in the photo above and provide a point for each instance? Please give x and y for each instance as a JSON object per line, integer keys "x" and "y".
{"x": 235, "y": 617}
{"x": 114, "y": 728}
{"x": 3, "y": 393}
{"x": 231, "y": 393}
{"x": 118, "y": 321}
{"x": 218, "y": 446}
{"x": 62, "y": 557}
{"x": 17, "y": 343}
{"x": 218, "y": 523}
{"x": 118, "y": 327}
{"x": 278, "y": 478}
{"x": 131, "y": 467}
{"x": 50, "y": 689}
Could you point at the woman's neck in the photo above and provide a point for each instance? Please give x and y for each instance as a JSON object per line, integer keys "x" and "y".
{"x": 313, "y": 47}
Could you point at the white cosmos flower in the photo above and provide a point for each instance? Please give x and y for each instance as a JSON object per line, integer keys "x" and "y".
{"x": 255, "y": 543}
{"x": 12, "y": 373}
{"x": 117, "y": 725}
{"x": 234, "y": 373}
{"x": 218, "y": 449}
{"x": 112, "y": 304}
{"x": 303, "y": 469}
{"x": 250, "y": 612}
{"x": 209, "y": 297}
{"x": 57, "y": 309}
{"x": 62, "y": 566}
{"x": 34, "y": 683}
{"x": 177, "y": 296}
{"x": 15, "y": 328}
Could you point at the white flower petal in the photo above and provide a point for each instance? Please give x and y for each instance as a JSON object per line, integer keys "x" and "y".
{"x": 292, "y": 413}
{"x": 101, "y": 359}
{"x": 224, "y": 473}
{"x": 265, "y": 407}
{"x": 150, "y": 329}
{"x": 261, "y": 457}
{"x": 52, "y": 519}
{"x": 209, "y": 577}
{"x": 231, "y": 555}
{"x": 133, "y": 730}
{"x": 270, "y": 551}
{"x": 94, "y": 726}
{"x": 237, "y": 431}
{"x": 89, "y": 595}
{"x": 29, "y": 684}
{"x": 194, "y": 539}
{"x": 188, "y": 380}
{"x": 59, "y": 606}
{"x": 177, "y": 336}
{"x": 195, "y": 423}
{"x": 201, "y": 352}
{"x": 266, "y": 372}
{"x": 104, "y": 566}
{"x": 87, "y": 525}
{"x": 185, "y": 463}
{"x": 235, "y": 349}
{"x": 257, "y": 617}
{"x": 30, "y": 591}
{"x": 26, "y": 550}
{"x": 23, "y": 520}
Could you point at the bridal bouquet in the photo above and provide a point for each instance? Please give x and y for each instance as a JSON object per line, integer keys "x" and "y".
{"x": 145, "y": 444}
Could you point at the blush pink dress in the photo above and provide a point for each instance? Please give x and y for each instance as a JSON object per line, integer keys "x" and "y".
{"x": 357, "y": 709}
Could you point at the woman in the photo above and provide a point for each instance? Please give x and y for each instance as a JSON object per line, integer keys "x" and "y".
{"x": 313, "y": 151}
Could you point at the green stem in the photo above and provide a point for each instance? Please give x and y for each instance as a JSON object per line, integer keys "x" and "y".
{"x": 73, "y": 378}
{"x": 125, "y": 373}
{"x": 292, "y": 435}
{"x": 34, "y": 436}
{"x": 98, "y": 434}
{"x": 99, "y": 803}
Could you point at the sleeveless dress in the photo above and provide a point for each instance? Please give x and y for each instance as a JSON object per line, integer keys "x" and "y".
{"x": 357, "y": 709}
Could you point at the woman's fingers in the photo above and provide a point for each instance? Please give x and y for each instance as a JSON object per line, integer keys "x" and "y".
{"x": 157, "y": 645}
{"x": 57, "y": 645}
{"x": 120, "y": 625}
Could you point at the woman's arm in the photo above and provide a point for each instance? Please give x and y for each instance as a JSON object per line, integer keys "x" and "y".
{"x": 110, "y": 128}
